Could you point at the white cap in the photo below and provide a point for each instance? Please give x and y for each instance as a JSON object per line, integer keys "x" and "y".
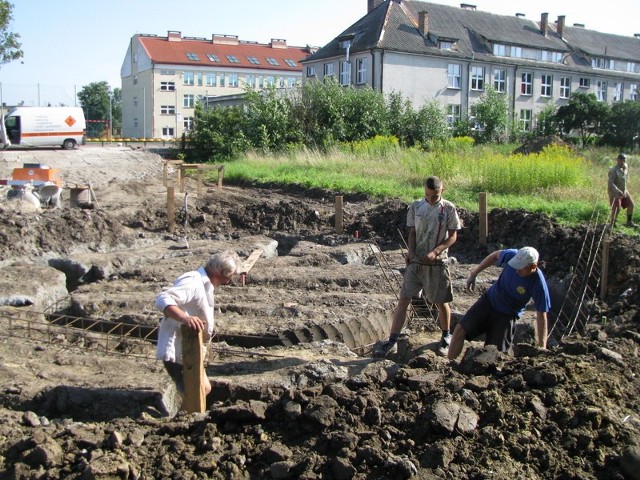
{"x": 525, "y": 257}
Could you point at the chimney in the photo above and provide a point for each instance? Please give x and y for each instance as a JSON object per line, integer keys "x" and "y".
{"x": 174, "y": 36}
{"x": 373, "y": 4}
{"x": 579, "y": 25}
{"x": 560, "y": 25}
{"x": 544, "y": 24}
{"x": 224, "y": 39}
{"x": 423, "y": 23}
{"x": 467, "y": 6}
{"x": 520, "y": 15}
{"x": 637, "y": 35}
{"x": 278, "y": 43}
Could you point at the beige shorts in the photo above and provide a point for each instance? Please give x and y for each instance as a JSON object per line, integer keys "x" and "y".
{"x": 433, "y": 280}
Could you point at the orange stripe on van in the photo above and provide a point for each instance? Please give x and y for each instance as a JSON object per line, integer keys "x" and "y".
{"x": 52, "y": 134}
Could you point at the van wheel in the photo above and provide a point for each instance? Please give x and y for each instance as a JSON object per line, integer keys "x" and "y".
{"x": 69, "y": 144}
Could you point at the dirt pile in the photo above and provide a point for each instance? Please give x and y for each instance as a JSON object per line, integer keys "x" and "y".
{"x": 290, "y": 399}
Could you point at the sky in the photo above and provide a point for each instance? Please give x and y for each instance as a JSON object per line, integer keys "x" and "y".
{"x": 68, "y": 44}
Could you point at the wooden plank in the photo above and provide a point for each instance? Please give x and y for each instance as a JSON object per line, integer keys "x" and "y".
{"x": 484, "y": 220}
{"x": 193, "y": 370}
{"x": 171, "y": 209}
{"x": 251, "y": 259}
{"x": 339, "y": 215}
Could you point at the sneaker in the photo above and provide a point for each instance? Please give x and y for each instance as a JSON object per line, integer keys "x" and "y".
{"x": 443, "y": 346}
{"x": 384, "y": 347}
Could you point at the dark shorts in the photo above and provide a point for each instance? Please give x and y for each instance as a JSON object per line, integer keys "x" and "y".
{"x": 483, "y": 318}
{"x": 620, "y": 202}
{"x": 175, "y": 371}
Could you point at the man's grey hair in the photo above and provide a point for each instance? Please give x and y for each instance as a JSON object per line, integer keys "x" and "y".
{"x": 227, "y": 263}
{"x": 433, "y": 183}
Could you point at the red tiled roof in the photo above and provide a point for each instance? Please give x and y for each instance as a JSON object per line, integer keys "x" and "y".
{"x": 161, "y": 50}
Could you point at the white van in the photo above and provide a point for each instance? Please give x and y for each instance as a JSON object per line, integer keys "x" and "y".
{"x": 43, "y": 127}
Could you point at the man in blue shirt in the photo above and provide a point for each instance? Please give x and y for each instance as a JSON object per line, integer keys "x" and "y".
{"x": 496, "y": 311}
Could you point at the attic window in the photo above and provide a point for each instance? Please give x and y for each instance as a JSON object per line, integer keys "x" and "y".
{"x": 213, "y": 57}
{"x": 193, "y": 57}
{"x": 445, "y": 45}
{"x": 290, "y": 62}
{"x": 345, "y": 44}
{"x": 272, "y": 61}
{"x": 233, "y": 59}
{"x": 253, "y": 60}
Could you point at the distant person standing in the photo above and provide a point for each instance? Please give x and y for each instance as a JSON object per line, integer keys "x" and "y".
{"x": 190, "y": 302}
{"x": 433, "y": 224}
{"x": 619, "y": 196}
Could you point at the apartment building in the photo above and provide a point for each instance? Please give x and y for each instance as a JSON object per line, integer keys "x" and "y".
{"x": 164, "y": 77}
{"x": 451, "y": 54}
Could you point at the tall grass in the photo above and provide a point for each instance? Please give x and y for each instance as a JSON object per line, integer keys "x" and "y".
{"x": 565, "y": 185}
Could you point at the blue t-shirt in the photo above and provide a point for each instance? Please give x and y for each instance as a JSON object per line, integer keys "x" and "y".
{"x": 511, "y": 292}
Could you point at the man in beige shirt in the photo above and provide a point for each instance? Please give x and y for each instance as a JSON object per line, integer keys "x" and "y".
{"x": 619, "y": 196}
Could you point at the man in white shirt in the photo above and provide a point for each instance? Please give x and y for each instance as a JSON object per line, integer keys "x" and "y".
{"x": 190, "y": 302}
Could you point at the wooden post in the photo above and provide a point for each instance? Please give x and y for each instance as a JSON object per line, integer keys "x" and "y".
{"x": 171, "y": 209}
{"x": 193, "y": 370}
{"x": 165, "y": 173}
{"x": 220, "y": 176}
{"x": 483, "y": 219}
{"x": 604, "y": 275}
{"x": 339, "y": 214}
{"x": 182, "y": 173}
{"x": 199, "y": 186}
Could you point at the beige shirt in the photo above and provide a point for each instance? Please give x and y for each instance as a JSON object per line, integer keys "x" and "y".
{"x": 618, "y": 178}
{"x": 432, "y": 224}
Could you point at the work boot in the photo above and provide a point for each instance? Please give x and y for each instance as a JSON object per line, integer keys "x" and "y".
{"x": 385, "y": 347}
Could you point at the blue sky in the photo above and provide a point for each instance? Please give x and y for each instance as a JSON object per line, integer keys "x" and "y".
{"x": 70, "y": 43}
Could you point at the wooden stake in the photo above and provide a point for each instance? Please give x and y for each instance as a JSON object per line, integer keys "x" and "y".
{"x": 193, "y": 370}
{"x": 171, "y": 209}
{"x": 339, "y": 214}
{"x": 483, "y": 219}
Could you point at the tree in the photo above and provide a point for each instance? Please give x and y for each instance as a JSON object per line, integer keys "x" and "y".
{"x": 94, "y": 99}
{"x": 583, "y": 113}
{"x": 622, "y": 127}
{"x": 492, "y": 114}
{"x": 10, "y": 47}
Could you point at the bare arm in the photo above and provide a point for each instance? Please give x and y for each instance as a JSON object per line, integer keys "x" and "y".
{"x": 489, "y": 260}
{"x": 442, "y": 246}
{"x": 411, "y": 245}
{"x": 541, "y": 331}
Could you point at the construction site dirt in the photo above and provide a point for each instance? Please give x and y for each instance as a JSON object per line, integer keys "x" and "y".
{"x": 296, "y": 392}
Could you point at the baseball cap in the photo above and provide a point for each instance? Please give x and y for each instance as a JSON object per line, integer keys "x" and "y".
{"x": 525, "y": 257}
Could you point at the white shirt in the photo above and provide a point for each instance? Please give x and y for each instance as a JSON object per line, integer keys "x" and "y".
{"x": 193, "y": 293}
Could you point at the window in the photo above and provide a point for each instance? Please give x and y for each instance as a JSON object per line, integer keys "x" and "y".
{"x": 167, "y": 132}
{"x": 187, "y": 78}
{"x": 602, "y": 63}
{"x": 453, "y": 114}
{"x": 167, "y": 72}
{"x": 291, "y": 82}
{"x": 328, "y": 69}
{"x": 601, "y": 91}
{"x": 272, "y": 61}
{"x": 211, "y": 80}
{"x": 361, "y": 70}
{"x": 200, "y": 79}
{"x": 233, "y": 80}
{"x": 632, "y": 67}
{"x": 167, "y": 86}
{"x": 193, "y": 57}
{"x": 477, "y": 78}
{"x": 515, "y": 52}
{"x": 253, "y": 60}
{"x": 187, "y": 123}
{"x": 500, "y": 80}
{"x": 221, "y": 80}
{"x": 188, "y": 101}
{"x": 250, "y": 80}
{"x": 290, "y": 62}
{"x": 232, "y": 59}
{"x": 565, "y": 87}
{"x": 617, "y": 96}
{"x": 311, "y": 71}
{"x": 135, "y": 101}
{"x": 213, "y": 57}
{"x": 585, "y": 82}
{"x": 526, "y": 85}
{"x": 345, "y": 73}
{"x": 445, "y": 45}
{"x": 633, "y": 92}
{"x": 168, "y": 109}
{"x": 525, "y": 120}
{"x": 546, "y": 85}
{"x": 500, "y": 50}
{"x": 454, "y": 76}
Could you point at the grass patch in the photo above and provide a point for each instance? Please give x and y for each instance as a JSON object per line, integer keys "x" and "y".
{"x": 565, "y": 185}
